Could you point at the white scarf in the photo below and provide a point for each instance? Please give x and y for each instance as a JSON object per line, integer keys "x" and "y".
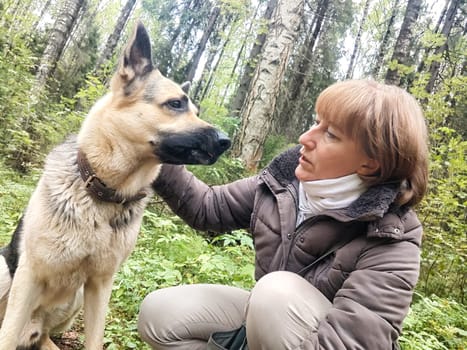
{"x": 317, "y": 196}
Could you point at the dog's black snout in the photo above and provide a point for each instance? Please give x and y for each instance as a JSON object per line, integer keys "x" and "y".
{"x": 223, "y": 141}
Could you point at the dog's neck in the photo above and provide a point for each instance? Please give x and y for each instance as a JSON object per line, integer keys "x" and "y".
{"x": 97, "y": 188}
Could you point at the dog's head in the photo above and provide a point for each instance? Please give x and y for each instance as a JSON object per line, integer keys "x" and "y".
{"x": 156, "y": 115}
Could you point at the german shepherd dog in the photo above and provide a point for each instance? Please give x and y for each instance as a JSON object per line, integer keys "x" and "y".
{"x": 83, "y": 218}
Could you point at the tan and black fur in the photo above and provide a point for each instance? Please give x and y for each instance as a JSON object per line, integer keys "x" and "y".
{"x": 83, "y": 218}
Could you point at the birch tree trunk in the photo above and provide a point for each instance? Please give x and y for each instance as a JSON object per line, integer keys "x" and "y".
{"x": 248, "y": 70}
{"x": 375, "y": 72}
{"x": 290, "y": 123}
{"x": 445, "y": 31}
{"x": 358, "y": 38}
{"x": 60, "y": 33}
{"x": 260, "y": 102}
{"x": 113, "y": 39}
{"x": 401, "y": 54}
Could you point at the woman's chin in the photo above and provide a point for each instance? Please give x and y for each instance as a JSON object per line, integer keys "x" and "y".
{"x": 303, "y": 175}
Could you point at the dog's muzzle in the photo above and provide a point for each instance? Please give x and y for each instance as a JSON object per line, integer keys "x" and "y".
{"x": 200, "y": 146}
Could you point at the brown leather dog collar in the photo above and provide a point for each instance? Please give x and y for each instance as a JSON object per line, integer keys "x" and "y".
{"x": 97, "y": 188}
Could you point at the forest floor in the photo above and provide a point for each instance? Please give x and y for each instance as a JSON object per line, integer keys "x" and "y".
{"x": 69, "y": 340}
{"x": 72, "y": 339}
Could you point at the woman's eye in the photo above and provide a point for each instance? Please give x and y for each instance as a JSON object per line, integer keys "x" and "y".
{"x": 330, "y": 134}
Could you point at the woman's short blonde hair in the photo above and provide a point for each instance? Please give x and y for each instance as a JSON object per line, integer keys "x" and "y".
{"x": 389, "y": 124}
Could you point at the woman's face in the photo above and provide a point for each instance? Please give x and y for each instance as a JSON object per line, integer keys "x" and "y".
{"x": 327, "y": 153}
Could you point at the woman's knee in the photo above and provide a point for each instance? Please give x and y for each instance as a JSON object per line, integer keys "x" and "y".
{"x": 271, "y": 295}
{"x": 189, "y": 313}
{"x": 283, "y": 308}
{"x": 149, "y": 322}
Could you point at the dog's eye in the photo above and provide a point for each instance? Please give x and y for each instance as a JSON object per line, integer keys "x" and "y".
{"x": 176, "y": 104}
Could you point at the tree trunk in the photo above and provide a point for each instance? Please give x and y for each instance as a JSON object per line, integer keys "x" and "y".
{"x": 194, "y": 62}
{"x": 259, "y": 105}
{"x": 358, "y": 38}
{"x": 427, "y": 51}
{"x": 297, "y": 86}
{"x": 214, "y": 58}
{"x": 384, "y": 42}
{"x": 62, "y": 28}
{"x": 239, "y": 57}
{"x": 192, "y": 15}
{"x": 299, "y": 79}
{"x": 445, "y": 31}
{"x": 242, "y": 89}
{"x": 113, "y": 39}
{"x": 401, "y": 54}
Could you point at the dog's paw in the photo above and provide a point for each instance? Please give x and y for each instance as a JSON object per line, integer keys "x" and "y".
{"x": 31, "y": 336}
{"x": 48, "y": 344}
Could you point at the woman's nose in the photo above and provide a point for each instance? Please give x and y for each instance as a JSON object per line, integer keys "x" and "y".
{"x": 308, "y": 138}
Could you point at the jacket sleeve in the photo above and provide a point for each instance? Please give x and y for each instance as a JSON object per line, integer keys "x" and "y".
{"x": 369, "y": 308}
{"x": 214, "y": 208}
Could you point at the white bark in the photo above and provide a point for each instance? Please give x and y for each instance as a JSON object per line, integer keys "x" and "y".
{"x": 259, "y": 105}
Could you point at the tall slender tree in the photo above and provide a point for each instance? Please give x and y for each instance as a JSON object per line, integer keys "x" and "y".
{"x": 358, "y": 38}
{"x": 402, "y": 49}
{"x": 264, "y": 88}
{"x": 113, "y": 38}
{"x": 249, "y": 68}
{"x": 383, "y": 45}
{"x": 240, "y": 53}
{"x": 194, "y": 62}
{"x": 300, "y": 75}
{"x": 62, "y": 28}
{"x": 448, "y": 23}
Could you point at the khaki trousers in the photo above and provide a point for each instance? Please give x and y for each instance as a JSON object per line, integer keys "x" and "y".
{"x": 280, "y": 312}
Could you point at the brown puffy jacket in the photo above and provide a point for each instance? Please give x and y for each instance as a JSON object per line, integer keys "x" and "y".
{"x": 370, "y": 280}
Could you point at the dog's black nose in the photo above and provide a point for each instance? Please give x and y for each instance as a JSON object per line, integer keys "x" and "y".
{"x": 223, "y": 141}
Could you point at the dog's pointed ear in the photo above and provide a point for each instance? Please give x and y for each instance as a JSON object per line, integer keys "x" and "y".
{"x": 136, "y": 60}
{"x": 186, "y": 86}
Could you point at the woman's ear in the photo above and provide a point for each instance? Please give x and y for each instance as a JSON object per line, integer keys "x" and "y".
{"x": 368, "y": 167}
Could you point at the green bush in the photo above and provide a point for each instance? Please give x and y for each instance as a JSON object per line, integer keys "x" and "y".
{"x": 168, "y": 253}
{"x": 435, "y": 324}
{"x": 444, "y": 217}
{"x": 15, "y": 190}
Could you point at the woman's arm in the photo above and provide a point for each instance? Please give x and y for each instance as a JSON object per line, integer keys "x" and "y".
{"x": 216, "y": 208}
{"x": 369, "y": 309}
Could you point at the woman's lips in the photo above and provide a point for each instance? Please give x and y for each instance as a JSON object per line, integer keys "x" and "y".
{"x": 303, "y": 159}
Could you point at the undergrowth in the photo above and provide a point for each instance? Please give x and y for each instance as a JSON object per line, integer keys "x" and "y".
{"x": 170, "y": 253}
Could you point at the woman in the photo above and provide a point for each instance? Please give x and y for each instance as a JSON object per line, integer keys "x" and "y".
{"x": 346, "y": 191}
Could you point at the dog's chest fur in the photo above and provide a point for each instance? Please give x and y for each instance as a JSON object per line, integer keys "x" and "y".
{"x": 68, "y": 230}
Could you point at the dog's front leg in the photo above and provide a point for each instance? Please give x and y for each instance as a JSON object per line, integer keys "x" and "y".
{"x": 22, "y": 300}
{"x": 96, "y": 298}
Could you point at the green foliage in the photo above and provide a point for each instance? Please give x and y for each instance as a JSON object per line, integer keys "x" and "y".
{"x": 29, "y": 127}
{"x": 93, "y": 89}
{"x": 72, "y": 70}
{"x": 169, "y": 253}
{"x": 444, "y": 215}
{"x": 17, "y": 118}
{"x": 223, "y": 171}
{"x": 217, "y": 114}
{"x": 274, "y": 145}
{"x": 15, "y": 190}
{"x": 435, "y": 324}
{"x": 444, "y": 210}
